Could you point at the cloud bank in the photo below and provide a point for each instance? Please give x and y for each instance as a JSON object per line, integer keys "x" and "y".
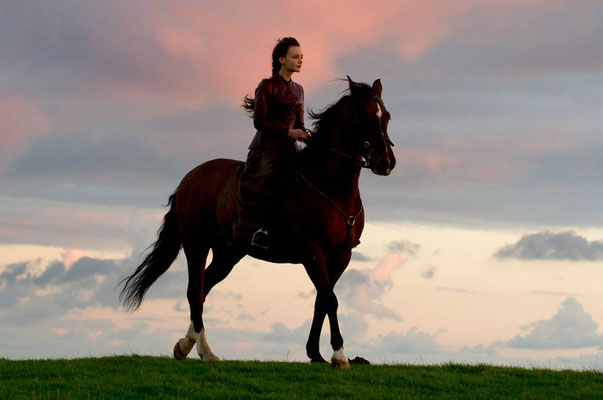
{"x": 553, "y": 246}
{"x": 570, "y": 328}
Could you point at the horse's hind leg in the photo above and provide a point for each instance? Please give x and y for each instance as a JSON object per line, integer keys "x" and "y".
{"x": 223, "y": 260}
{"x": 196, "y": 256}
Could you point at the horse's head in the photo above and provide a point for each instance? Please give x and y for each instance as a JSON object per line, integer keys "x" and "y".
{"x": 370, "y": 127}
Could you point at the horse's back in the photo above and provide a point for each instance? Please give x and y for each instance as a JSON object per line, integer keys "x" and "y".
{"x": 206, "y": 198}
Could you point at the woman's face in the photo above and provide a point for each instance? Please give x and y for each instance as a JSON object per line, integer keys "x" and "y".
{"x": 294, "y": 59}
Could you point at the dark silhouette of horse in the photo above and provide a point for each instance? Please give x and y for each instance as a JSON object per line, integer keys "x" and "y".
{"x": 320, "y": 222}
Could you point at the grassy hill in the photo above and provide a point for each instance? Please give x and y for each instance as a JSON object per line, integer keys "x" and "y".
{"x": 138, "y": 377}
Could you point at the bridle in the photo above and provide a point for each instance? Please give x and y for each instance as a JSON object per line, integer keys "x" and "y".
{"x": 365, "y": 158}
{"x": 362, "y": 160}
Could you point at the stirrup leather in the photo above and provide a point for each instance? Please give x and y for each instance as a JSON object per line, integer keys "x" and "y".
{"x": 260, "y": 239}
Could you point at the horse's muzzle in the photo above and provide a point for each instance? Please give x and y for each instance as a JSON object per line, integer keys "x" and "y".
{"x": 384, "y": 166}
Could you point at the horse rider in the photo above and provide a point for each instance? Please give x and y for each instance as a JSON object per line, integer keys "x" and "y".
{"x": 278, "y": 116}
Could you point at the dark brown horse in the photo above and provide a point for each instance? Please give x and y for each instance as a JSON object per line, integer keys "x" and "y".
{"x": 321, "y": 220}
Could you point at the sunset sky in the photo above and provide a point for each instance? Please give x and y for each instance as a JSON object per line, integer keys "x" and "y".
{"x": 484, "y": 245}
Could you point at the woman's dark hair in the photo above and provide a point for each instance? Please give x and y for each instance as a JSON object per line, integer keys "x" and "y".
{"x": 280, "y": 50}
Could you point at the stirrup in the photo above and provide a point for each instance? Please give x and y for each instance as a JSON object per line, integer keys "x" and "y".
{"x": 260, "y": 239}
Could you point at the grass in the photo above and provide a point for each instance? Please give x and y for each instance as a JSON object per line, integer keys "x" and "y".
{"x": 125, "y": 377}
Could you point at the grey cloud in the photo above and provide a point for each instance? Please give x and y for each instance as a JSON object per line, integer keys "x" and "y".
{"x": 13, "y": 284}
{"x": 467, "y": 149}
{"x": 540, "y": 40}
{"x": 133, "y": 160}
{"x": 570, "y": 328}
{"x": 306, "y": 295}
{"x": 83, "y": 268}
{"x": 246, "y": 317}
{"x": 64, "y": 46}
{"x": 281, "y": 334}
{"x": 81, "y": 338}
{"x": 543, "y": 40}
{"x": 552, "y": 293}
{"x": 181, "y": 305}
{"x": 53, "y": 272}
{"x": 89, "y": 282}
{"x": 363, "y": 295}
{"x": 404, "y": 247}
{"x": 481, "y": 349}
{"x": 552, "y": 246}
{"x": 76, "y": 157}
{"x": 361, "y": 257}
{"x": 12, "y": 272}
{"x": 353, "y": 277}
{"x": 411, "y": 342}
{"x": 575, "y": 166}
{"x": 429, "y": 272}
{"x": 457, "y": 290}
{"x": 354, "y": 326}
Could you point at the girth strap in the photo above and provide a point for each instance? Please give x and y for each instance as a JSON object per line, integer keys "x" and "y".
{"x": 351, "y": 220}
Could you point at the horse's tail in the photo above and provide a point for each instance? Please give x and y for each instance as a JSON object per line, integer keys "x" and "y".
{"x": 165, "y": 250}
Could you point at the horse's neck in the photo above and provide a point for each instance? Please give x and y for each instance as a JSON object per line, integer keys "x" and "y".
{"x": 333, "y": 173}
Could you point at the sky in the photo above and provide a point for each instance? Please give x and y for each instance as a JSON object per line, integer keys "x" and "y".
{"x": 484, "y": 245}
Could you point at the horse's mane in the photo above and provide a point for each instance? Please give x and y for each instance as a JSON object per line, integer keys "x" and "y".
{"x": 324, "y": 121}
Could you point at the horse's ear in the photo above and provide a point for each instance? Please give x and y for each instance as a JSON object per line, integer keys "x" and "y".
{"x": 351, "y": 82}
{"x": 377, "y": 88}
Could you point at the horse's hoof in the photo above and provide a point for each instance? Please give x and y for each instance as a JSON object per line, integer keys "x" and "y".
{"x": 317, "y": 359}
{"x": 341, "y": 364}
{"x": 339, "y": 360}
{"x": 209, "y": 356}
{"x": 178, "y": 353}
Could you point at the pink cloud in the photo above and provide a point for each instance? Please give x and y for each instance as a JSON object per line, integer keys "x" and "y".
{"x": 189, "y": 53}
{"x": 61, "y": 331}
{"x": 93, "y": 334}
{"x": 181, "y": 41}
{"x": 383, "y": 271}
{"x": 70, "y": 256}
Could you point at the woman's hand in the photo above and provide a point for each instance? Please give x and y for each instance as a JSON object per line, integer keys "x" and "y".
{"x": 297, "y": 134}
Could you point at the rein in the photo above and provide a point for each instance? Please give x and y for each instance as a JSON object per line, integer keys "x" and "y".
{"x": 362, "y": 160}
{"x": 365, "y": 160}
{"x": 351, "y": 220}
{"x": 359, "y": 161}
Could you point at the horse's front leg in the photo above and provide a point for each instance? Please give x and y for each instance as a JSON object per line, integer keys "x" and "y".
{"x": 313, "y": 344}
{"x": 326, "y": 303}
{"x": 336, "y": 264}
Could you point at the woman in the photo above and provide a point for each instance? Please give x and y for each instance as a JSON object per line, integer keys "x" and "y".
{"x": 278, "y": 116}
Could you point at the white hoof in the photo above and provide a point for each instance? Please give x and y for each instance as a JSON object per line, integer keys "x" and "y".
{"x": 209, "y": 356}
{"x": 185, "y": 344}
{"x": 203, "y": 349}
{"x": 340, "y": 360}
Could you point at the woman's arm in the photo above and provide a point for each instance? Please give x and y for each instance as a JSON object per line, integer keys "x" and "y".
{"x": 299, "y": 110}
{"x": 260, "y": 111}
